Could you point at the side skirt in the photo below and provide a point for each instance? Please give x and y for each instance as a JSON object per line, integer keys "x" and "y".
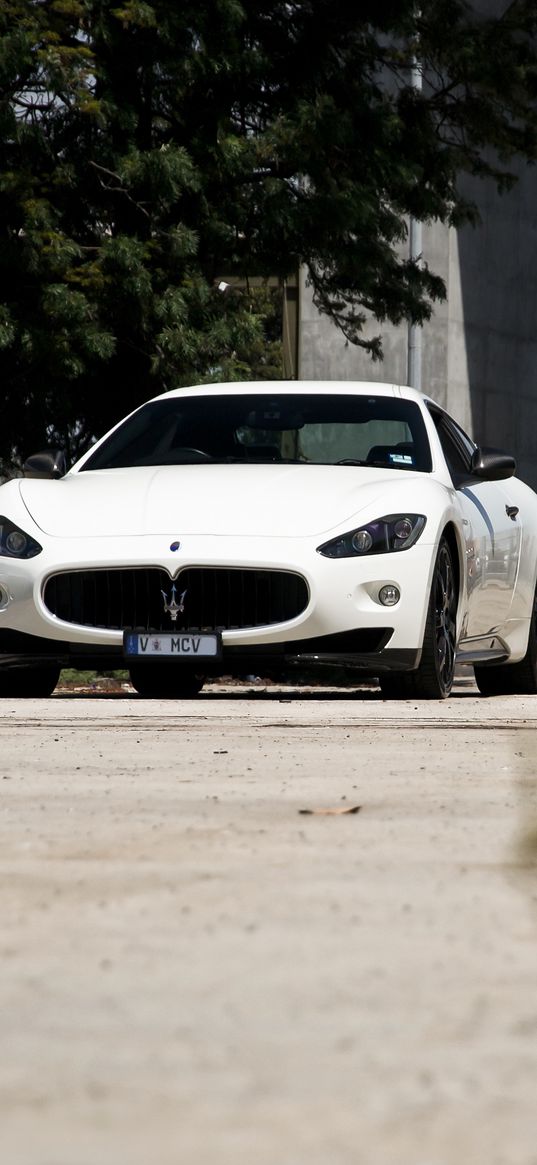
{"x": 485, "y": 649}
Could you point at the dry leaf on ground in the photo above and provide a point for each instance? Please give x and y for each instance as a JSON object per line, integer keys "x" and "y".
{"x": 337, "y": 812}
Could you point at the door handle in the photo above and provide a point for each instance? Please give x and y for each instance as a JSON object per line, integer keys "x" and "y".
{"x": 512, "y": 512}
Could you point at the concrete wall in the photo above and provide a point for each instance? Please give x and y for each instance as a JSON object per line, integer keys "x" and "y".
{"x": 480, "y": 348}
{"x": 498, "y": 270}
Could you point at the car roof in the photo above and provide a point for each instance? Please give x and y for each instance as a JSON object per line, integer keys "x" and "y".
{"x": 298, "y": 387}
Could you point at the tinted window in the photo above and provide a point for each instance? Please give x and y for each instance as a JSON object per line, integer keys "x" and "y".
{"x": 315, "y": 429}
{"x": 457, "y": 447}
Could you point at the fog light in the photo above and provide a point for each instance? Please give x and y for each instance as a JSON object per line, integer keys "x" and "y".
{"x": 389, "y": 595}
{"x": 4, "y": 597}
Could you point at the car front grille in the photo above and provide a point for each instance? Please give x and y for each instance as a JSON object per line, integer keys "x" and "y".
{"x": 214, "y": 598}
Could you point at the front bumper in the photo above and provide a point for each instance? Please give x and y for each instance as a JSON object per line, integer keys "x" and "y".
{"x": 369, "y": 654}
{"x": 343, "y": 621}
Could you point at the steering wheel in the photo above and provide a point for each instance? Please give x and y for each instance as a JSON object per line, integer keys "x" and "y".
{"x": 189, "y": 453}
{"x": 349, "y": 461}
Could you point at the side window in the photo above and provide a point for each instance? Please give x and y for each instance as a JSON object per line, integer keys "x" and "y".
{"x": 456, "y": 445}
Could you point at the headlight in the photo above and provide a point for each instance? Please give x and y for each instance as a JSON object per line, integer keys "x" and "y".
{"x": 14, "y": 543}
{"x": 393, "y": 532}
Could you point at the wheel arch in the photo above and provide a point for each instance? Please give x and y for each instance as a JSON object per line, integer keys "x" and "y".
{"x": 450, "y": 534}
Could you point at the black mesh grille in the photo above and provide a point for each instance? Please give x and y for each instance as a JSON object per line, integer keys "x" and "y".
{"x": 215, "y": 598}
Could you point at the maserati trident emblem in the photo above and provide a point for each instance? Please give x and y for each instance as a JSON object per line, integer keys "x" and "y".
{"x": 173, "y": 608}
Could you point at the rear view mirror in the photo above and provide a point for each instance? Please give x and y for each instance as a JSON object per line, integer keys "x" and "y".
{"x": 274, "y": 418}
{"x": 49, "y": 463}
{"x": 492, "y": 464}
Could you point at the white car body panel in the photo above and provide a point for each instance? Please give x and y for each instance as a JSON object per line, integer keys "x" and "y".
{"x": 289, "y": 501}
{"x": 493, "y": 554}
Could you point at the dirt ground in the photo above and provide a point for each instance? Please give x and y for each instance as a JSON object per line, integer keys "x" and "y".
{"x": 195, "y": 970}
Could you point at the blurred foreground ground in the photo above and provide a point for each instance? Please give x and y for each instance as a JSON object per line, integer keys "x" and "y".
{"x": 195, "y": 970}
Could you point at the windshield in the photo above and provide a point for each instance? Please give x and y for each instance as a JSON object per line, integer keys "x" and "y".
{"x": 311, "y": 429}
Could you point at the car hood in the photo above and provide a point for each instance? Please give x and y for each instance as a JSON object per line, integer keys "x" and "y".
{"x": 228, "y": 500}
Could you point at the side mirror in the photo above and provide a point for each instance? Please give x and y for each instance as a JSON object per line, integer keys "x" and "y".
{"x": 49, "y": 463}
{"x": 492, "y": 464}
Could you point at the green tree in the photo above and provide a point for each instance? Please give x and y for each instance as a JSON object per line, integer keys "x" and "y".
{"x": 151, "y": 149}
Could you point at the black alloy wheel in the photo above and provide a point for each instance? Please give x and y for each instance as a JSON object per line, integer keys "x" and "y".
{"x": 433, "y": 678}
{"x": 512, "y": 679}
{"x": 442, "y": 650}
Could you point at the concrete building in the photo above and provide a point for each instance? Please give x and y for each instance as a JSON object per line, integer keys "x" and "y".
{"x": 479, "y": 350}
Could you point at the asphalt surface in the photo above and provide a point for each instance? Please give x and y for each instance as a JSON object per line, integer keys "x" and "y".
{"x": 200, "y": 964}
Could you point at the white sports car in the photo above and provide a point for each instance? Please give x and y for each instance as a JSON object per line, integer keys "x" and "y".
{"x": 239, "y": 528}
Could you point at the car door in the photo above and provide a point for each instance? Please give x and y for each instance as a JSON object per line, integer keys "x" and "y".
{"x": 492, "y": 529}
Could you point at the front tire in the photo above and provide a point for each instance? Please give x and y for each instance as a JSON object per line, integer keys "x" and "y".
{"x": 28, "y": 683}
{"x": 433, "y": 679}
{"x": 162, "y": 681}
{"x": 512, "y": 679}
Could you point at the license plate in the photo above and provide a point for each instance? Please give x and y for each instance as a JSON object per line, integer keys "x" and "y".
{"x": 187, "y": 644}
